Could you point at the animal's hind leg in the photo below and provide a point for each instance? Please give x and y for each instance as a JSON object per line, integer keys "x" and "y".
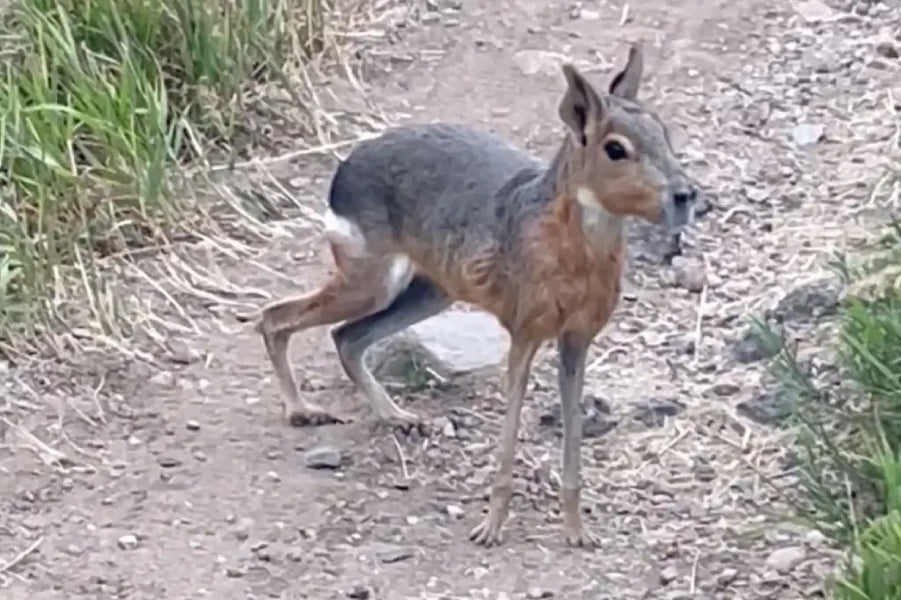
{"x": 420, "y": 300}
{"x": 361, "y": 288}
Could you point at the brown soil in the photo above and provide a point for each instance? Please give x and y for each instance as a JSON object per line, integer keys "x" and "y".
{"x": 186, "y": 483}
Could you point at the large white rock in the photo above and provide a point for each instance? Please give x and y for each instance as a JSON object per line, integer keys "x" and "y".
{"x": 452, "y": 343}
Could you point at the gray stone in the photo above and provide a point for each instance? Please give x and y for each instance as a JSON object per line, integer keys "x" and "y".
{"x": 815, "y": 539}
{"x": 596, "y": 418}
{"x": 128, "y": 542}
{"x": 814, "y": 10}
{"x": 395, "y": 555}
{"x": 168, "y": 462}
{"x": 807, "y": 134}
{"x": 653, "y": 412}
{"x": 750, "y": 348}
{"x": 887, "y": 49}
{"x": 784, "y": 560}
{"x": 769, "y": 408}
{"x": 726, "y": 577}
{"x": 532, "y": 62}
{"x": 668, "y": 575}
{"x": 812, "y": 300}
{"x": 235, "y": 572}
{"x": 451, "y": 343}
{"x": 725, "y": 389}
{"x": 359, "y": 592}
{"x": 163, "y": 379}
{"x": 690, "y": 274}
{"x": 180, "y": 351}
{"x": 322, "y": 457}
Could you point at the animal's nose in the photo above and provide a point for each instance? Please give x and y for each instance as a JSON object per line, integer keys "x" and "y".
{"x": 684, "y": 196}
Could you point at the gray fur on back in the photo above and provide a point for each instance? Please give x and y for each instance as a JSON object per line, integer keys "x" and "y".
{"x": 440, "y": 183}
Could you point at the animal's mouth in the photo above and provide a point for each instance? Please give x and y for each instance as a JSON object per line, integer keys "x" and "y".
{"x": 676, "y": 216}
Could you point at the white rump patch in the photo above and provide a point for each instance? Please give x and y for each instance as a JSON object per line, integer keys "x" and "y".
{"x": 597, "y": 222}
{"x": 399, "y": 275}
{"x": 345, "y": 233}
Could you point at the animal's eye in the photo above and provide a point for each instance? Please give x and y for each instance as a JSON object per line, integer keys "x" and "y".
{"x": 615, "y": 150}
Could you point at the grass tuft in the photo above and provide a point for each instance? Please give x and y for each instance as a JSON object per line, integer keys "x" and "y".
{"x": 99, "y": 101}
{"x": 850, "y": 433}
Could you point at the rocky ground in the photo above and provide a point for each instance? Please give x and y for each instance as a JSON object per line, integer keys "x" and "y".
{"x": 180, "y": 480}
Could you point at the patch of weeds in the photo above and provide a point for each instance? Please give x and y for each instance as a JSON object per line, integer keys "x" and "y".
{"x": 850, "y": 436}
{"x": 416, "y": 376}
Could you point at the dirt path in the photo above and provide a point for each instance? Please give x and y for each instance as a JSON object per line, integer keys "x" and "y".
{"x": 194, "y": 488}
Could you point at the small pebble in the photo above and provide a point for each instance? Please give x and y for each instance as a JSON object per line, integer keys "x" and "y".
{"x": 180, "y": 351}
{"x": 887, "y": 50}
{"x": 668, "y": 575}
{"x": 192, "y": 425}
{"x": 807, "y": 134}
{"x": 814, "y": 538}
{"x": 168, "y": 462}
{"x": 536, "y": 593}
{"x": 453, "y": 511}
{"x": 359, "y": 592}
{"x": 725, "y": 389}
{"x": 163, "y": 379}
{"x": 127, "y": 542}
{"x": 395, "y": 555}
{"x": 449, "y": 431}
{"x": 689, "y": 274}
{"x": 295, "y": 554}
{"x": 401, "y": 484}
{"x": 813, "y": 10}
{"x": 784, "y": 560}
{"x": 726, "y": 577}
{"x": 322, "y": 457}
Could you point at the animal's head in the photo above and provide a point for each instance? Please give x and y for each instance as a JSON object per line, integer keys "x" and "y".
{"x": 621, "y": 156}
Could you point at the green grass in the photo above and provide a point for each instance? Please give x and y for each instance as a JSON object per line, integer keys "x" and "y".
{"x": 850, "y": 436}
{"x": 99, "y": 101}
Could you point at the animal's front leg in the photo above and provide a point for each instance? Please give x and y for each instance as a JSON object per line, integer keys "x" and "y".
{"x": 573, "y": 349}
{"x": 488, "y": 532}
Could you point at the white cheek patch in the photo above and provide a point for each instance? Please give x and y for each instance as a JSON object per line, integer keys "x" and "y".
{"x": 345, "y": 233}
{"x": 596, "y": 220}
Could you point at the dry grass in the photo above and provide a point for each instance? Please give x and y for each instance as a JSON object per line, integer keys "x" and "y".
{"x": 118, "y": 122}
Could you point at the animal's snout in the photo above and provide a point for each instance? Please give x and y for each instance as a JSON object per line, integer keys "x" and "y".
{"x": 678, "y": 208}
{"x": 682, "y": 197}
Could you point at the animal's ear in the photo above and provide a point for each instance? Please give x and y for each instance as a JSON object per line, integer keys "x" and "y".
{"x": 580, "y": 104}
{"x": 625, "y": 84}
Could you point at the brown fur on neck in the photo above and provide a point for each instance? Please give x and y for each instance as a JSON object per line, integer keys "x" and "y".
{"x": 571, "y": 283}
